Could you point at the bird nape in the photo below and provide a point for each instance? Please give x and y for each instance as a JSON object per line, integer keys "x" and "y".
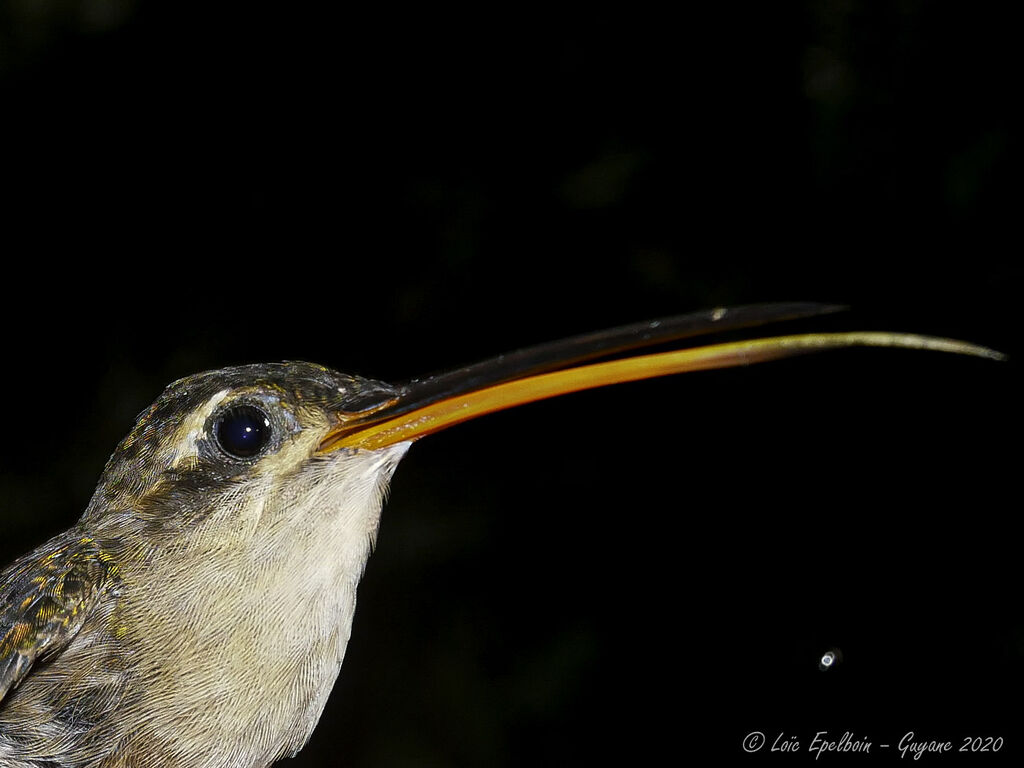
{"x": 197, "y": 615}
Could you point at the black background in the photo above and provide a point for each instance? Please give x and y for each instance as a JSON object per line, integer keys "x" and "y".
{"x": 619, "y": 575}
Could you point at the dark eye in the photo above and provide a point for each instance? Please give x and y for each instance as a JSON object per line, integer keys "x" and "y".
{"x": 243, "y": 431}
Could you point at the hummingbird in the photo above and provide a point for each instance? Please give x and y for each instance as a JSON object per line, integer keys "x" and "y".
{"x": 197, "y": 614}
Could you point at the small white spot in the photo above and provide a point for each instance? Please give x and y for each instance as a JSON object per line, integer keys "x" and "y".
{"x": 718, "y": 313}
{"x": 828, "y": 659}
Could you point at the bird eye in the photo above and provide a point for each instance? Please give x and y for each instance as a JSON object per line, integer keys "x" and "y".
{"x": 243, "y": 431}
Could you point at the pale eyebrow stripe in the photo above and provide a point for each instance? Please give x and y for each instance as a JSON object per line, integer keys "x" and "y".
{"x": 186, "y": 437}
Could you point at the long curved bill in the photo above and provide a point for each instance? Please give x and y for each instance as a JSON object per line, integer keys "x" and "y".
{"x": 430, "y": 405}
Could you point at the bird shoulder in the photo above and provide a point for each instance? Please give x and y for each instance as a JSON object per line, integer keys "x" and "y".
{"x": 45, "y": 598}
